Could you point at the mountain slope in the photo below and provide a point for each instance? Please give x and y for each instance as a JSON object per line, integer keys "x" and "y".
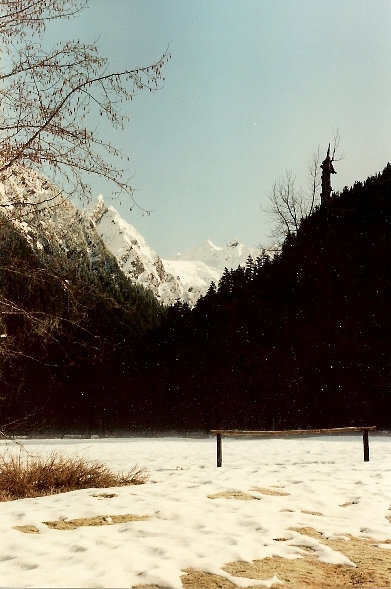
{"x": 186, "y": 278}
{"x": 68, "y": 256}
{"x": 136, "y": 259}
{"x": 194, "y": 277}
{"x": 70, "y": 321}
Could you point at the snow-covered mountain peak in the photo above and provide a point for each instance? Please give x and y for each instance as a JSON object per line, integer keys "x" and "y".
{"x": 53, "y": 225}
{"x": 136, "y": 259}
{"x": 99, "y": 208}
{"x": 186, "y": 278}
{"x": 114, "y": 230}
{"x": 209, "y": 244}
{"x": 199, "y": 252}
{"x": 232, "y": 255}
{"x": 43, "y": 213}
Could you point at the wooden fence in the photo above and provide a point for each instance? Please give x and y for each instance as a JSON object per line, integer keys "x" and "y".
{"x": 219, "y": 433}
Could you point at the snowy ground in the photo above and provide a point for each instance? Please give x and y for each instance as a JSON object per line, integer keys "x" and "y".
{"x": 195, "y": 521}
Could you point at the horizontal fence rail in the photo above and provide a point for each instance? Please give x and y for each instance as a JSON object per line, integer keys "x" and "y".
{"x": 219, "y": 433}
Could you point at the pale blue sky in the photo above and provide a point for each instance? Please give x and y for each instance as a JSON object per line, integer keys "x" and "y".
{"x": 252, "y": 88}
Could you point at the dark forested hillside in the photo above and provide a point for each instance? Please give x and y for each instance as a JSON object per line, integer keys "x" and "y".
{"x": 303, "y": 340}
{"x": 68, "y": 322}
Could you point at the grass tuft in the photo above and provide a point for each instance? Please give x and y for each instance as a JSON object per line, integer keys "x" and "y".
{"x": 34, "y": 476}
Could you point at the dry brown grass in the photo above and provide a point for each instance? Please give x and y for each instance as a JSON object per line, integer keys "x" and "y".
{"x": 23, "y": 475}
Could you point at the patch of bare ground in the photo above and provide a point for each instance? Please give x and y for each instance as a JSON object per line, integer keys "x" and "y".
{"x": 146, "y": 587}
{"x": 98, "y": 520}
{"x": 265, "y": 491}
{"x": 389, "y": 516}
{"x": 348, "y": 503}
{"x": 27, "y": 529}
{"x": 312, "y": 512}
{"x": 200, "y": 580}
{"x": 372, "y": 570}
{"x": 281, "y": 539}
{"x": 105, "y": 495}
{"x": 239, "y": 495}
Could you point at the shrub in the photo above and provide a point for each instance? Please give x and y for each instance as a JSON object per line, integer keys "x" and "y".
{"x": 33, "y": 476}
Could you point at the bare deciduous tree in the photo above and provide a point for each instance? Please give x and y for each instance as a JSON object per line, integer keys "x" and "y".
{"x": 289, "y": 204}
{"x": 49, "y": 98}
{"x": 286, "y": 205}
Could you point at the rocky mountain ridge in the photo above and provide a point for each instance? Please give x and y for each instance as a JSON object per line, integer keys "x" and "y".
{"x": 99, "y": 238}
{"x": 185, "y": 278}
{"x": 134, "y": 256}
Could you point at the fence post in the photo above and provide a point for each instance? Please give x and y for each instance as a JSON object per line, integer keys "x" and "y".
{"x": 365, "y": 439}
{"x": 219, "y": 450}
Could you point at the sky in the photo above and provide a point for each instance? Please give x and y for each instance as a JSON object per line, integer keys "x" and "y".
{"x": 252, "y": 89}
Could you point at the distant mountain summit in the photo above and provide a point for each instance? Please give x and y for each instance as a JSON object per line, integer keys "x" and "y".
{"x": 232, "y": 255}
{"x": 198, "y": 266}
{"x": 184, "y": 279}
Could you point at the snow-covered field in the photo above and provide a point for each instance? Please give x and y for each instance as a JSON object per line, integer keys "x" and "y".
{"x": 200, "y": 517}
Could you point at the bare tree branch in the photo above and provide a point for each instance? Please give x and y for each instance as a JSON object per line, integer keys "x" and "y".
{"x": 48, "y": 99}
{"x": 288, "y": 204}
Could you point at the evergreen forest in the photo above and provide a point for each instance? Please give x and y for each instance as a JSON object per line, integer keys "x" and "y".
{"x": 298, "y": 341}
